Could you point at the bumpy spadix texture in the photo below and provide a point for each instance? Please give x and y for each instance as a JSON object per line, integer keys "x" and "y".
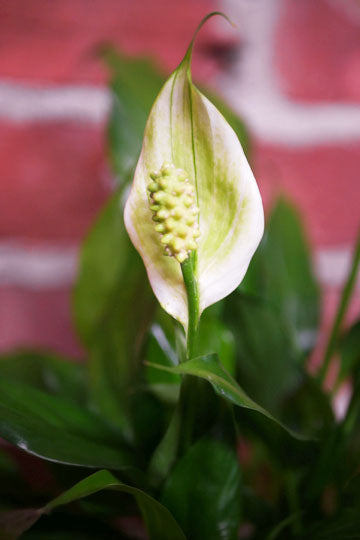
{"x": 173, "y": 205}
{"x": 186, "y": 130}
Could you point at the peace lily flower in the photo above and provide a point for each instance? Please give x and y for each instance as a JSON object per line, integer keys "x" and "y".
{"x": 194, "y": 200}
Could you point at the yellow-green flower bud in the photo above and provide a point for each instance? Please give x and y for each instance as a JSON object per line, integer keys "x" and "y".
{"x": 172, "y": 202}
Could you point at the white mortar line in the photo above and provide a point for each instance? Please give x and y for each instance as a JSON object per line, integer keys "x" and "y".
{"x": 332, "y": 265}
{"x": 252, "y": 89}
{"x": 22, "y": 103}
{"x": 45, "y": 267}
{"x": 37, "y": 268}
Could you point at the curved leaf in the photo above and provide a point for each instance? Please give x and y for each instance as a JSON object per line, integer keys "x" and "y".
{"x": 282, "y": 273}
{"x": 46, "y": 371}
{"x": 209, "y": 505}
{"x": 110, "y": 329}
{"x": 58, "y": 430}
{"x": 159, "y": 522}
{"x": 267, "y": 358}
{"x": 209, "y": 368}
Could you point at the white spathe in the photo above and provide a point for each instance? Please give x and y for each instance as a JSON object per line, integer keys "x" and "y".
{"x": 184, "y": 128}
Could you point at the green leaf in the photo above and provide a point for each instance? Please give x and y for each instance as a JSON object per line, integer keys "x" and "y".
{"x": 267, "y": 359}
{"x": 58, "y": 430}
{"x": 46, "y": 371}
{"x": 344, "y": 301}
{"x": 214, "y": 337}
{"x": 204, "y": 492}
{"x": 187, "y": 131}
{"x": 209, "y": 368}
{"x": 149, "y": 418}
{"x": 281, "y": 272}
{"x": 113, "y": 304}
{"x": 161, "y": 350}
{"x": 13, "y": 486}
{"x": 345, "y": 526}
{"x": 134, "y": 84}
{"x": 159, "y": 522}
{"x": 350, "y": 354}
{"x": 344, "y": 521}
{"x": 198, "y": 411}
{"x": 309, "y": 407}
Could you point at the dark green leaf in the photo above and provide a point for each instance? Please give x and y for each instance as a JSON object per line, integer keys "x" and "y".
{"x": 345, "y": 526}
{"x": 198, "y": 411}
{"x": 343, "y": 305}
{"x": 203, "y": 492}
{"x": 284, "y": 525}
{"x": 309, "y": 407}
{"x": 343, "y": 521}
{"x": 350, "y": 354}
{"x": 56, "y": 429}
{"x": 266, "y": 357}
{"x": 149, "y": 419}
{"x": 214, "y": 337}
{"x": 135, "y": 84}
{"x": 161, "y": 350}
{"x": 159, "y": 522}
{"x": 46, "y": 371}
{"x": 210, "y": 369}
{"x": 307, "y": 410}
{"x": 281, "y": 272}
{"x": 113, "y": 303}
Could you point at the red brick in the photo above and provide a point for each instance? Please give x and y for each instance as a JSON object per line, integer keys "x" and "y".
{"x": 323, "y": 181}
{"x": 30, "y": 318}
{"x": 318, "y": 50}
{"x": 53, "y": 179}
{"x": 55, "y": 41}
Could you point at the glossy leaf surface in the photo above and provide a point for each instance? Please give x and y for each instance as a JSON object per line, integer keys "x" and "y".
{"x": 281, "y": 272}
{"x": 56, "y": 429}
{"x": 111, "y": 324}
{"x": 46, "y": 371}
{"x": 267, "y": 358}
{"x": 208, "y": 506}
{"x": 159, "y": 522}
{"x": 210, "y": 369}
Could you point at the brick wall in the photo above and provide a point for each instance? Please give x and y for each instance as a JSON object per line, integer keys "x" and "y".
{"x": 53, "y": 170}
{"x": 296, "y": 80}
{"x": 297, "y": 83}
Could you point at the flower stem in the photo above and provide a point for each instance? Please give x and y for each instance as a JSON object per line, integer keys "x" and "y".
{"x": 341, "y": 311}
{"x": 188, "y": 272}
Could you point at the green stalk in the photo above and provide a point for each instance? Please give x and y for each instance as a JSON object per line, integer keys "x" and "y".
{"x": 341, "y": 311}
{"x": 189, "y": 386}
{"x": 293, "y": 500}
{"x": 188, "y": 272}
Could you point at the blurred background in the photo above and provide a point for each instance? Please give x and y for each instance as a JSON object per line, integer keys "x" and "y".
{"x": 290, "y": 69}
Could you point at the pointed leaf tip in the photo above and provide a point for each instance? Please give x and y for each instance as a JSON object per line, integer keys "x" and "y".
{"x": 185, "y": 129}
